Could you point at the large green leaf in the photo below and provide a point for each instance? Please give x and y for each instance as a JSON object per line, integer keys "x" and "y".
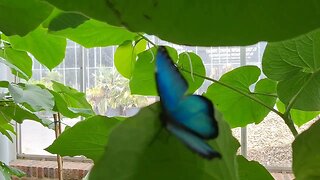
{"x": 48, "y": 49}
{"x": 21, "y": 17}
{"x": 73, "y": 100}
{"x": 19, "y": 62}
{"x": 143, "y": 76}
{"x": 139, "y": 148}
{"x": 252, "y": 170}
{"x": 64, "y": 20}
{"x": 8, "y": 171}
{"x": 209, "y": 22}
{"x": 238, "y": 109}
{"x": 306, "y": 156}
{"x": 88, "y": 137}
{"x": 62, "y": 107}
{"x": 92, "y": 33}
{"x": 7, "y": 130}
{"x": 126, "y": 55}
{"x": 18, "y": 113}
{"x": 192, "y": 62}
{"x": 296, "y": 65}
{"x": 36, "y": 97}
{"x": 124, "y": 59}
{"x": 299, "y": 117}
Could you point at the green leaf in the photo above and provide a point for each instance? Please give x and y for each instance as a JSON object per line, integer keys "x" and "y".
{"x": 64, "y": 20}
{"x": 252, "y": 170}
{"x": 299, "y": 117}
{"x": 126, "y": 55}
{"x": 296, "y": 65}
{"x": 139, "y": 148}
{"x": 5, "y": 129}
{"x": 4, "y": 84}
{"x": 38, "y": 98}
{"x": 48, "y": 49}
{"x": 209, "y": 23}
{"x": 18, "y": 113}
{"x": 125, "y": 59}
{"x": 19, "y": 62}
{"x": 88, "y": 137}
{"x": 73, "y": 100}
{"x": 62, "y": 107}
{"x": 185, "y": 60}
{"x": 143, "y": 81}
{"x": 96, "y": 9}
{"x": 21, "y": 17}
{"x": 143, "y": 76}
{"x": 8, "y": 171}
{"x": 306, "y": 156}
{"x": 239, "y": 110}
{"x": 93, "y": 33}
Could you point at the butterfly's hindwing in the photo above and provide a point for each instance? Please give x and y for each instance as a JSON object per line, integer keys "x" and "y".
{"x": 195, "y": 143}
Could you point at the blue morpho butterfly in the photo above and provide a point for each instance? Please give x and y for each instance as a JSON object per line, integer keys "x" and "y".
{"x": 189, "y": 117}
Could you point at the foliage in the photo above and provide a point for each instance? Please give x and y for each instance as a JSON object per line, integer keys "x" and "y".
{"x": 97, "y": 128}
{"x": 295, "y": 64}
{"x": 150, "y": 152}
{"x": 112, "y": 91}
{"x": 209, "y": 22}
{"x": 126, "y": 147}
{"x": 8, "y": 171}
{"x": 238, "y": 111}
{"x": 306, "y": 154}
{"x": 247, "y": 167}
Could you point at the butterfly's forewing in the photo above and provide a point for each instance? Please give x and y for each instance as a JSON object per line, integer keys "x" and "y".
{"x": 171, "y": 85}
{"x": 195, "y": 143}
{"x": 196, "y": 114}
{"x": 190, "y": 118}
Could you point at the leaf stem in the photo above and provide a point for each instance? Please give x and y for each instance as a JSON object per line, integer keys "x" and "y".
{"x": 287, "y": 119}
{"x": 147, "y": 39}
{"x": 238, "y": 91}
{"x": 295, "y": 97}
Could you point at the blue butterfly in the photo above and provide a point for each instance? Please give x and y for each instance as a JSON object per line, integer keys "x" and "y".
{"x": 189, "y": 117}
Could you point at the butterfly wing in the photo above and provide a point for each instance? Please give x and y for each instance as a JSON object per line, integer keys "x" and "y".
{"x": 190, "y": 118}
{"x": 195, "y": 113}
{"x": 195, "y": 143}
{"x": 171, "y": 85}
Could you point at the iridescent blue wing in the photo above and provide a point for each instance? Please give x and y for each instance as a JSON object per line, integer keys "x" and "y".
{"x": 195, "y": 113}
{"x": 195, "y": 143}
{"x": 171, "y": 85}
{"x": 190, "y": 118}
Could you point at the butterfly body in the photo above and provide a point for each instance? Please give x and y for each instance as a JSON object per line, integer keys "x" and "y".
{"x": 189, "y": 117}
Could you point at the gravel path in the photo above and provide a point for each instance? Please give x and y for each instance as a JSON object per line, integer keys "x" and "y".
{"x": 270, "y": 141}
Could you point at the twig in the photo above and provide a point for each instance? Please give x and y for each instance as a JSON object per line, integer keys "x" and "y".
{"x": 57, "y": 129}
{"x": 237, "y": 90}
